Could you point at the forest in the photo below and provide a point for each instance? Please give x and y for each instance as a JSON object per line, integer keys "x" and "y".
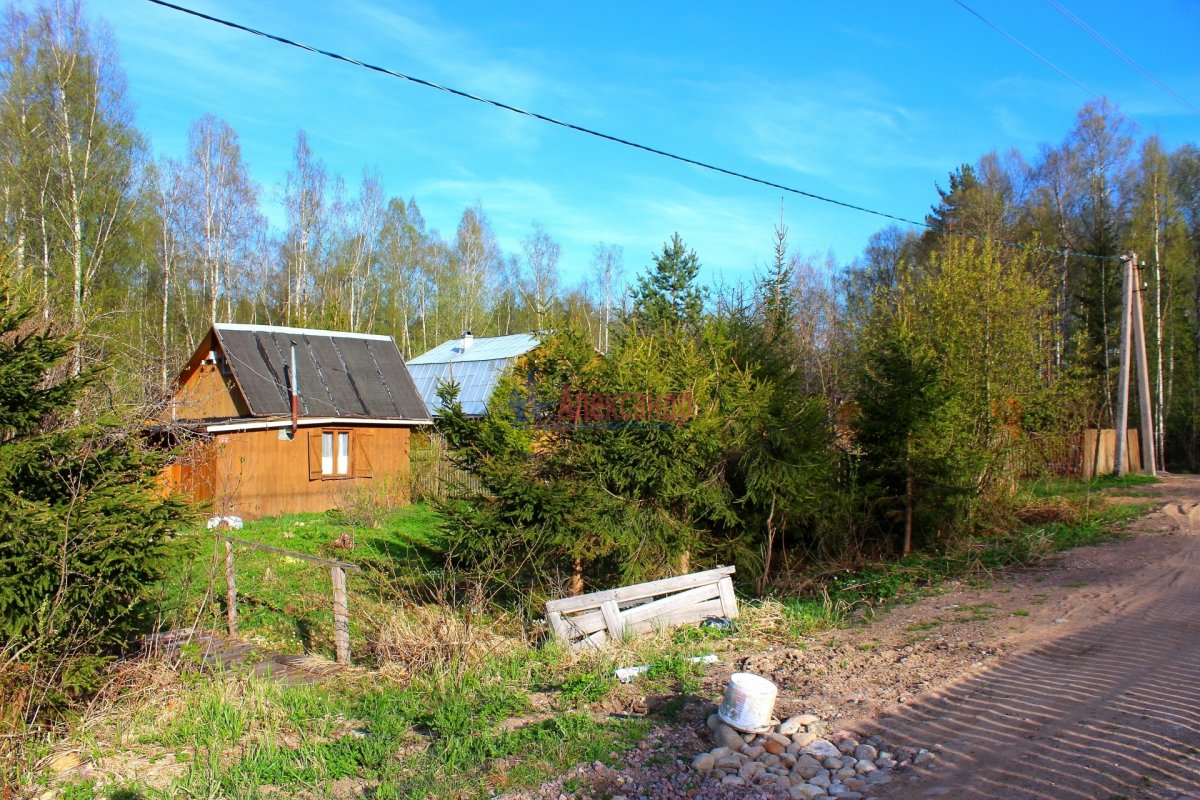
{"x": 962, "y": 354}
{"x": 139, "y": 252}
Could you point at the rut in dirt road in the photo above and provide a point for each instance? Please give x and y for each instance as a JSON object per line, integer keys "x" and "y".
{"x": 1109, "y": 711}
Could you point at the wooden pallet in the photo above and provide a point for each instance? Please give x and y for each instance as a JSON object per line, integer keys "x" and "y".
{"x": 596, "y": 618}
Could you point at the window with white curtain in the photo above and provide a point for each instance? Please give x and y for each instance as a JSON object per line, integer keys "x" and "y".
{"x": 342, "y": 463}
{"x": 327, "y": 453}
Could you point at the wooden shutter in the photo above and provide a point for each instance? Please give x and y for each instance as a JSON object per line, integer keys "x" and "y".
{"x": 361, "y": 444}
{"x": 314, "y": 455}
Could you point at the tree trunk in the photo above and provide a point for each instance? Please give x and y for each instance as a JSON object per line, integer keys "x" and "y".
{"x": 576, "y": 578}
{"x": 908, "y": 514}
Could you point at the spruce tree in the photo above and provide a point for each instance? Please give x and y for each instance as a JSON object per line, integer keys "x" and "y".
{"x": 84, "y": 530}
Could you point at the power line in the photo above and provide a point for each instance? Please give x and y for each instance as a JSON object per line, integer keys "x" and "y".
{"x": 1127, "y": 59}
{"x": 609, "y": 137}
{"x": 1029, "y": 50}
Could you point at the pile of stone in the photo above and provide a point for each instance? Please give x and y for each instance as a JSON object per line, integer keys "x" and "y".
{"x": 802, "y": 756}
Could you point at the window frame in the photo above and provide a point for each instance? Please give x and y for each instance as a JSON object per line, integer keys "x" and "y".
{"x": 317, "y": 471}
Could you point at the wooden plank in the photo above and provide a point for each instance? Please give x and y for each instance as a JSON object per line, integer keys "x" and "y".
{"x": 613, "y": 620}
{"x": 685, "y": 616}
{"x": 329, "y": 562}
{"x": 597, "y": 639}
{"x": 586, "y": 623}
{"x": 230, "y": 591}
{"x": 638, "y": 591}
{"x": 341, "y": 619}
{"x": 729, "y": 604}
{"x": 669, "y": 605}
{"x": 557, "y": 627}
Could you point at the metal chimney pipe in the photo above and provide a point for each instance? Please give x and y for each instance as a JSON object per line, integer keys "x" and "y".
{"x": 295, "y": 394}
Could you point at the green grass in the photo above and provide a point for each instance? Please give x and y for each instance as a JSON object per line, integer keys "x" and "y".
{"x": 474, "y": 731}
{"x": 286, "y": 602}
{"x": 248, "y": 738}
{"x": 1074, "y": 489}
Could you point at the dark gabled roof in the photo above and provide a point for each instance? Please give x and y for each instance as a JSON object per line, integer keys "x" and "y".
{"x": 338, "y": 374}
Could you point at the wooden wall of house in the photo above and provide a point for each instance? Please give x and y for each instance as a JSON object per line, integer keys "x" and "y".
{"x": 204, "y": 392}
{"x": 254, "y": 474}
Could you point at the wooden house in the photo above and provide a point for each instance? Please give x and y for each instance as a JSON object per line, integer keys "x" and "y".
{"x": 284, "y": 420}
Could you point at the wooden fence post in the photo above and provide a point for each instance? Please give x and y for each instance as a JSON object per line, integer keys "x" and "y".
{"x": 341, "y": 622}
{"x": 230, "y": 590}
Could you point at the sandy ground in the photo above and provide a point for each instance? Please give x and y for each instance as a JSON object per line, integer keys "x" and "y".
{"x": 1097, "y": 693}
{"x": 1076, "y": 679}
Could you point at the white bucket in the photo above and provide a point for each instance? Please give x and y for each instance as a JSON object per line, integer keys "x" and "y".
{"x": 749, "y": 702}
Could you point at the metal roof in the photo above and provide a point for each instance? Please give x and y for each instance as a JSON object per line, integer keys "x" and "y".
{"x": 480, "y": 349}
{"x": 476, "y": 369}
{"x": 339, "y": 374}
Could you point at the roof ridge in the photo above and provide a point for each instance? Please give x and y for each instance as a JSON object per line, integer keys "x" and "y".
{"x": 240, "y": 326}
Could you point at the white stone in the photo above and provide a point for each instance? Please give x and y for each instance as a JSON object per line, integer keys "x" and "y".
{"x": 820, "y": 749}
{"x": 806, "y": 791}
{"x": 793, "y": 725}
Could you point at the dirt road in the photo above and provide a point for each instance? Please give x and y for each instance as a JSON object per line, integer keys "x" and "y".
{"x": 1102, "y": 701}
{"x": 1077, "y": 679}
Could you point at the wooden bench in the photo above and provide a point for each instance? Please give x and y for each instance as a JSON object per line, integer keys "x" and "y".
{"x": 595, "y": 618}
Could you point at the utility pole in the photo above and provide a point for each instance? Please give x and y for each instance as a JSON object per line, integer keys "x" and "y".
{"x": 1133, "y": 327}
{"x": 1122, "y": 421}
{"x": 1149, "y": 462}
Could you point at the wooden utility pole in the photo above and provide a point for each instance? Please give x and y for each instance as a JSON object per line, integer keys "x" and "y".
{"x": 1121, "y": 424}
{"x": 1133, "y": 328}
{"x": 1139, "y": 348}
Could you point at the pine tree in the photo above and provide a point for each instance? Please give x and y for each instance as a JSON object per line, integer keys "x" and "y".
{"x": 668, "y": 296}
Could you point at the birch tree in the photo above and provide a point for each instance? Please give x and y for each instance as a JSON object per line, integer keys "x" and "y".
{"x": 305, "y": 240}
{"x": 219, "y": 221}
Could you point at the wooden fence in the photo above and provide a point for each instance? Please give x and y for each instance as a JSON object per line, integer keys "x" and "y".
{"x": 1041, "y": 455}
{"x": 598, "y": 617}
{"x": 338, "y": 569}
{"x": 1100, "y": 450}
{"x": 434, "y": 475}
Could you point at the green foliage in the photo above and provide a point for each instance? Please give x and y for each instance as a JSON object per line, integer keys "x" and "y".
{"x": 84, "y": 530}
{"x": 586, "y": 688}
{"x": 905, "y": 433}
{"x": 668, "y": 296}
{"x": 568, "y": 487}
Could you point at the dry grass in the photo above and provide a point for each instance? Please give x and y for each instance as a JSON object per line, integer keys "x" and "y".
{"x": 1044, "y": 511}
{"x": 417, "y": 639}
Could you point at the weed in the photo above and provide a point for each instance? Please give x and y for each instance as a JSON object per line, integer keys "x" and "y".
{"x": 1076, "y": 584}
{"x": 1020, "y": 612}
{"x": 925, "y": 626}
{"x": 675, "y": 669}
{"x": 79, "y": 790}
{"x": 586, "y": 688}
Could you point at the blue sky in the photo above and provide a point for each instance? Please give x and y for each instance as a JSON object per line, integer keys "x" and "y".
{"x": 868, "y": 102}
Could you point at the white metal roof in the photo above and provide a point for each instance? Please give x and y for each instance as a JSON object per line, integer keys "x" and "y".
{"x": 480, "y": 349}
{"x": 476, "y": 369}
